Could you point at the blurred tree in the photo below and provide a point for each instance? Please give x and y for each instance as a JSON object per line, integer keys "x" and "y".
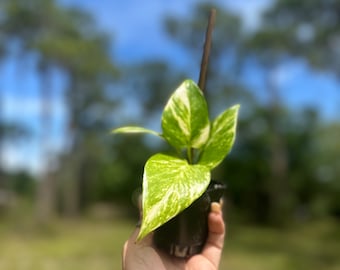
{"x": 328, "y": 167}
{"x": 67, "y": 42}
{"x": 2, "y": 124}
{"x": 82, "y": 52}
{"x": 249, "y": 167}
{"x": 87, "y": 64}
{"x": 310, "y": 30}
{"x": 275, "y": 167}
{"x": 22, "y": 184}
{"x": 9, "y": 132}
{"x": 304, "y": 28}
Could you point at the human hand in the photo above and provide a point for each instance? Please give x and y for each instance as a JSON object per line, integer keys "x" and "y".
{"x": 143, "y": 256}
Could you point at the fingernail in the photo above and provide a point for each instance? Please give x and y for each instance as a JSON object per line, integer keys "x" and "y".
{"x": 221, "y": 202}
{"x": 215, "y": 207}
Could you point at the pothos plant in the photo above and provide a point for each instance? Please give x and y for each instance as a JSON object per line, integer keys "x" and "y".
{"x": 173, "y": 183}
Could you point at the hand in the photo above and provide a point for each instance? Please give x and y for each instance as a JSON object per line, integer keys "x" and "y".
{"x": 143, "y": 256}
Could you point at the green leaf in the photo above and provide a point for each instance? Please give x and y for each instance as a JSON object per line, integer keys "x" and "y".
{"x": 222, "y": 136}
{"x": 133, "y": 129}
{"x": 170, "y": 185}
{"x": 185, "y": 119}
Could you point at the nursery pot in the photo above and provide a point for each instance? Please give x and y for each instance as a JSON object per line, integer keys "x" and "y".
{"x": 185, "y": 234}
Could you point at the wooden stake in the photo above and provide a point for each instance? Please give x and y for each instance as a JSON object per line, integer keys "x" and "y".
{"x": 206, "y": 50}
{"x": 204, "y": 63}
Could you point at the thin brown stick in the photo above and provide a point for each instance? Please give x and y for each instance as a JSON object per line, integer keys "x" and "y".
{"x": 205, "y": 61}
{"x": 206, "y": 50}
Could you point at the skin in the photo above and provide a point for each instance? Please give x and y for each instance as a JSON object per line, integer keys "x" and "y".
{"x": 144, "y": 256}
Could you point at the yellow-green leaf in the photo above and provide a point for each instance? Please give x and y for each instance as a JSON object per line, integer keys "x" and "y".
{"x": 222, "y": 137}
{"x": 185, "y": 119}
{"x": 170, "y": 185}
{"x": 134, "y": 129}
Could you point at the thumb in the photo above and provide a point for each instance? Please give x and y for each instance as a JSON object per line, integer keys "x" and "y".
{"x": 216, "y": 232}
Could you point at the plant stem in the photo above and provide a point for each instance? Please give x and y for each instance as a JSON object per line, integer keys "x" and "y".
{"x": 190, "y": 153}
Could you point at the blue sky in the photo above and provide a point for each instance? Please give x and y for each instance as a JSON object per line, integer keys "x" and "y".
{"x": 136, "y": 28}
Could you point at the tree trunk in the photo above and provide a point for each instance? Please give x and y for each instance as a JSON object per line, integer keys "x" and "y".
{"x": 278, "y": 186}
{"x": 46, "y": 198}
{"x": 46, "y": 195}
{"x": 70, "y": 188}
{"x": 70, "y": 185}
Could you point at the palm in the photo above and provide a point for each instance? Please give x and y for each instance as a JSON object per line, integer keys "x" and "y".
{"x": 144, "y": 256}
{"x": 149, "y": 258}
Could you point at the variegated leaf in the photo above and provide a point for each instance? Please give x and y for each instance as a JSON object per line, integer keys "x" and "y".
{"x": 185, "y": 119}
{"x": 170, "y": 185}
{"x": 221, "y": 139}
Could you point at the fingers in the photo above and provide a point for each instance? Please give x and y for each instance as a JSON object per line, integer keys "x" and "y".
{"x": 215, "y": 241}
{"x": 129, "y": 245}
{"x": 124, "y": 255}
{"x": 216, "y": 226}
{"x": 135, "y": 255}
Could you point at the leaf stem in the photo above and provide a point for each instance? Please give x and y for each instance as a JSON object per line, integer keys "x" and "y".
{"x": 190, "y": 154}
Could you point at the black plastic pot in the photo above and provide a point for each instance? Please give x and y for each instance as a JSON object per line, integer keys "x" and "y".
{"x": 185, "y": 234}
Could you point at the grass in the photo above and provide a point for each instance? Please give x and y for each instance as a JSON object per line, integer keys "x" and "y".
{"x": 81, "y": 244}
{"x": 96, "y": 244}
{"x": 313, "y": 245}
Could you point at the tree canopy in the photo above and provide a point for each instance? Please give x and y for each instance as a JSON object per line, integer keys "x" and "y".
{"x": 284, "y": 160}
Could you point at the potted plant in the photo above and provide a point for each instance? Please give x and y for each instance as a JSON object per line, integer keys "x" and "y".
{"x": 174, "y": 185}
